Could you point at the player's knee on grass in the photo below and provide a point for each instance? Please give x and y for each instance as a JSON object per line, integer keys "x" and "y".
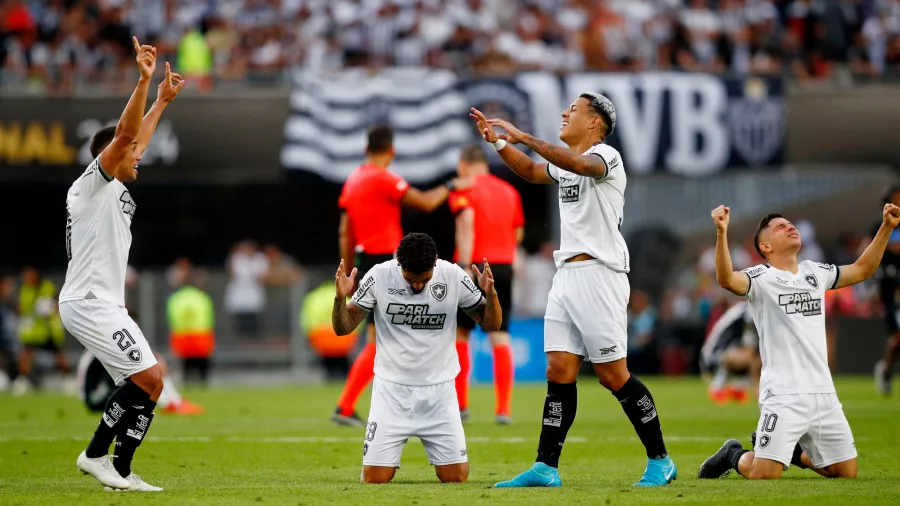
{"x": 378, "y": 474}
{"x": 846, "y": 469}
{"x": 453, "y": 473}
{"x": 762, "y": 469}
{"x": 612, "y": 375}
{"x": 563, "y": 367}
{"x": 149, "y": 380}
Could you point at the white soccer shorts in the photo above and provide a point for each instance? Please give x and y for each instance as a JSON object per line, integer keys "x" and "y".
{"x": 399, "y": 412}
{"x": 816, "y": 421}
{"x": 587, "y": 312}
{"x": 107, "y": 331}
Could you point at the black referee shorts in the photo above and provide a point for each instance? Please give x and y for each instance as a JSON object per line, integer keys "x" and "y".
{"x": 503, "y": 284}
{"x": 364, "y": 263}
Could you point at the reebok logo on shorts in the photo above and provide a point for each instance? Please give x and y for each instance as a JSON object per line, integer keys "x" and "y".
{"x": 607, "y": 351}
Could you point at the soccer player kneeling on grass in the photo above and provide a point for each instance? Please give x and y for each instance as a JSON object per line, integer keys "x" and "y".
{"x": 801, "y": 420}
{"x": 415, "y": 299}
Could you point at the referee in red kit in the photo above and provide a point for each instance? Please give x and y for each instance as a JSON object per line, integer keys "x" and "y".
{"x": 489, "y": 224}
{"x": 370, "y": 232}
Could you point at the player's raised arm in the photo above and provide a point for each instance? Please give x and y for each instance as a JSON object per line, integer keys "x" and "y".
{"x": 517, "y": 161}
{"x": 465, "y": 235}
{"x": 488, "y": 315}
{"x": 867, "y": 263}
{"x": 130, "y": 122}
{"x": 165, "y": 93}
{"x": 432, "y": 199}
{"x": 735, "y": 282}
{"x": 345, "y": 316}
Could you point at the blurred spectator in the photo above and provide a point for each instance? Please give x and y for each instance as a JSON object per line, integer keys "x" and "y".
{"x": 534, "y": 274}
{"x": 191, "y": 318}
{"x": 642, "y": 348}
{"x": 9, "y": 368}
{"x": 40, "y": 327}
{"x": 284, "y": 270}
{"x": 245, "y": 296}
{"x": 55, "y": 46}
{"x": 810, "y": 250}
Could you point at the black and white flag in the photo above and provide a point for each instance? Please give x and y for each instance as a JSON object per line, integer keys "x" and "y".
{"x": 326, "y": 130}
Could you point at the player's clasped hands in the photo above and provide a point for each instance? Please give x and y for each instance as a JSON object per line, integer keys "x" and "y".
{"x": 343, "y": 283}
{"x": 891, "y": 215}
{"x": 146, "y": 58}
{"x": 720, "y": 216}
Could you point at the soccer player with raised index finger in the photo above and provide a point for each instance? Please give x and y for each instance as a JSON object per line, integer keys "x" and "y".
{"x": 587, "y": 306}
{"x": 92, "y": 301}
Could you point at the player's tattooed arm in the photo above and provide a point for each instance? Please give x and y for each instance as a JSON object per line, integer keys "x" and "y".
{"x": 867, "y": 263}
{"x": 346, "y": 316}
{"x": 488, "y": 315}
{"x": 166, "y": 92}
{"x": 517, "y": 161}
{"x": 566, "y": 159}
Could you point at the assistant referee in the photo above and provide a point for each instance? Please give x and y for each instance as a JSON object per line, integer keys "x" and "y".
{"x": 489, "y": 224}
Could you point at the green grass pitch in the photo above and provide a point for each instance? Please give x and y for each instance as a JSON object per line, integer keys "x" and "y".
{"x": 276, "y": 446}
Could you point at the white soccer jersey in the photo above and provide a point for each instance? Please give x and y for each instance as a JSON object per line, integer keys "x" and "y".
{"x": 98, "y": 237}
{"x": 416, "y": 332}
{"x": 789, "y": 312}
{"x": 591, "y": 212}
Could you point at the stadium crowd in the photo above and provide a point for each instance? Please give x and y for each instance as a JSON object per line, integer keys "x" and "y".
{"x": 58, "y": 46}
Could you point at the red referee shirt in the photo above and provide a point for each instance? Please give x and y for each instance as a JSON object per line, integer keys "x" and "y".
{"x": 371, "y": 198}
{"x": 498, "y": 213}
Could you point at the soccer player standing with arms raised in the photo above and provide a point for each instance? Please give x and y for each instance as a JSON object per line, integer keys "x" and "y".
{"x": 587, "y": 305}
{"x": 489, "y": 224}
{"x": 92, "y": 301}
{"x": 370, "y": 231}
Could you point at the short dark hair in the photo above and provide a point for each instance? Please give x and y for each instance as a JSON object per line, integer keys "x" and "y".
{"x": 763, "y": 224}
{"x": 380, "y": 139}
{"x": 417, "y": 253}
{"x": 473, "y": 153}
{"x": 596, "y": 103}
{"x": 102, "y": 139}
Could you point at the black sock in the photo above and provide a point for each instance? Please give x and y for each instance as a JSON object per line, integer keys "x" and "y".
{"x": 735, "y": 457}
{"x": 795, "y": 459}
{"x": 117, "y": 407}
{"x": 131, "y": 433}
{"x": 638, "y": 405}
{"x": 559, "y": 414}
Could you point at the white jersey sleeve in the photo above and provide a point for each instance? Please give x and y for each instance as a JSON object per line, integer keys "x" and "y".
{"x": 753, "y": 273}
{"x": 365, "y": 293}
{"x": 470, "y": 296}
{"x": 611, "y": 159}
{"x": 830, "y": 274}
{"x": 94, "y": 179}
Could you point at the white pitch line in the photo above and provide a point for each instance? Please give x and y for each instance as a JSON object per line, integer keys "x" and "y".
{"x": 353, "y": 440}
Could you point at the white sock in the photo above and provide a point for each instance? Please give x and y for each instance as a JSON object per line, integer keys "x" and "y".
{"x": 719, "y": 380}
{"x": 169, "y": 393}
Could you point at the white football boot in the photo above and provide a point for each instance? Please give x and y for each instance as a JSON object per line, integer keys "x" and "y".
{"x": 102, "y": 469}
{"x": 136, "y": 484}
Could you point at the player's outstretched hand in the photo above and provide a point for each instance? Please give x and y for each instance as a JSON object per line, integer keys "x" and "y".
{"x": 891, "y": 215}
{"x": 720, "y": 216}
{"x": 170, "y": 86}
{"x": 486, "y": 278}
{"x": 146, "y": 58}
{"x": 487, "y": 131}
{"x": 513, "y": 135}
{"x": 343, "y": 283}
